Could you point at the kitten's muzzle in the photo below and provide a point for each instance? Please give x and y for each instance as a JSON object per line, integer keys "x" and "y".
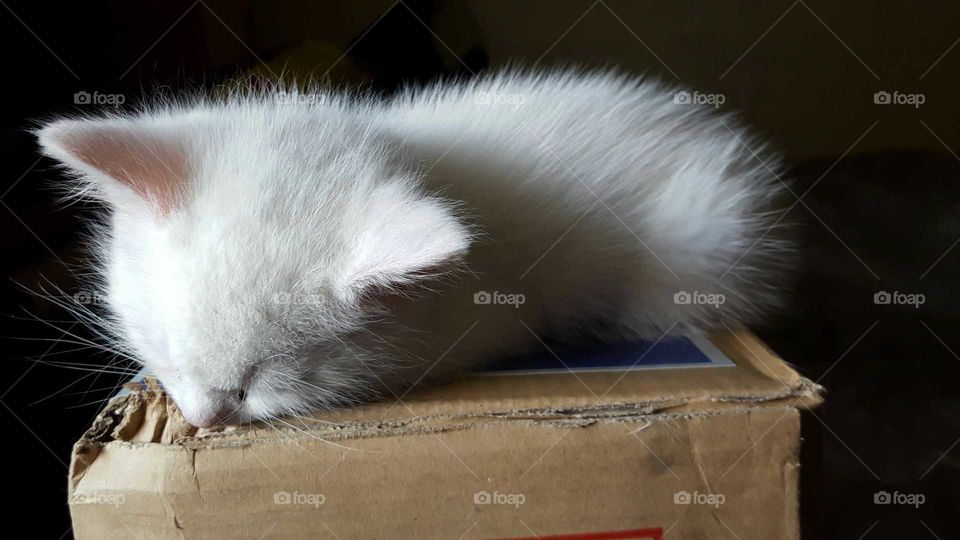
{"x": 214, "y": 408}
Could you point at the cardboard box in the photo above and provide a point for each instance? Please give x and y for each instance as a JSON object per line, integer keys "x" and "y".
{"x": 690, "y": 440}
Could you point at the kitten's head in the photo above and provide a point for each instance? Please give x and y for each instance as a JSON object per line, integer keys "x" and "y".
{"x": 246, "y": 248}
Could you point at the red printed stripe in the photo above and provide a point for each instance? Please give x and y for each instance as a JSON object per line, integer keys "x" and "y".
{"x": 635, "y": 534}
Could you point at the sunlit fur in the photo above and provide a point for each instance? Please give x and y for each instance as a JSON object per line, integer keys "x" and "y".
{"x": 326, "y": 249}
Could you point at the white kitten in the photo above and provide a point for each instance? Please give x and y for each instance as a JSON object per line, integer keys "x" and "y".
{"x": 268, "y": 254}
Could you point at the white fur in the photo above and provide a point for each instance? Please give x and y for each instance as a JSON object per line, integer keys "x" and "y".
{"x": 325, "y": 249}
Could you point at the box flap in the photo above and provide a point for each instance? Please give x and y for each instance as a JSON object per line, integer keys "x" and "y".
{"x": 141, "y": 466}
{"x": 756, "y": 378}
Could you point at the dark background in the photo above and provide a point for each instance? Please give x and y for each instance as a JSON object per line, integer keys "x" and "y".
{"x": 879, "y": 188}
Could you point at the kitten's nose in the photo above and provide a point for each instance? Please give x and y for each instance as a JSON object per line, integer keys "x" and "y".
{"x": 211, "y": 410}
{"x": 206, "y": 419}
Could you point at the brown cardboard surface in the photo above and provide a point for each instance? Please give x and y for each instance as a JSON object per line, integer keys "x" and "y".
{"x": 550, "y": 455}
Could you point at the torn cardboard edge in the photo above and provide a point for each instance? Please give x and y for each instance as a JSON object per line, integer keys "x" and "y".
{"x": 591, "y": 453}
{"x": 604, "y": 477}
{"x": 146, "y": 416}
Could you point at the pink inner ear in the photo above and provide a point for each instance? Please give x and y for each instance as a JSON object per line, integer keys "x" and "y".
{"x": 153, "y": 166}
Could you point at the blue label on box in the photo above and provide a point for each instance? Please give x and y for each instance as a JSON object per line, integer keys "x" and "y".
{"x": 663, "y": 354}
{"x": 639, "y": 355}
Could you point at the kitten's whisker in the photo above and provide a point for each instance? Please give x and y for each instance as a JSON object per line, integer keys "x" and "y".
{"x": 78, "y": 380}
{"x": 318, "y": 438}
{"x": 94, "y": 344}
{"x": 87, "y": 404}
{"x": 79, "y": 368}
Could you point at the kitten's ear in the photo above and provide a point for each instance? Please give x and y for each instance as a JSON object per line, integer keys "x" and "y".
{"x": 123, "y": 161}
{"x": 402, "y": 237}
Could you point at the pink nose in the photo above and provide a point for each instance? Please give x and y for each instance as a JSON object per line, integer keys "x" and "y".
{"x": 204, "y": 420}
{"x": 205, "y": 417}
